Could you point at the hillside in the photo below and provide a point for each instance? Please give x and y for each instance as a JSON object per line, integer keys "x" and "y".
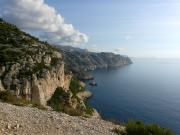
{"x": 29, "y": 68}
{"x": 33, "y": 72}
{"x": 31, "y": 121}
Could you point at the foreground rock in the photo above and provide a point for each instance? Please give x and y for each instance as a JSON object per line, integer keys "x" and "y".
{"x": 84, "y": 95}
{"x": 16, "y": 120}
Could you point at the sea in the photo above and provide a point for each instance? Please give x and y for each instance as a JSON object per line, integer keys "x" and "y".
{"x": 147, "y": 90}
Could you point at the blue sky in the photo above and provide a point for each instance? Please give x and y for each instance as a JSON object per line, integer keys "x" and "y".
{"x": 139, "y": 28}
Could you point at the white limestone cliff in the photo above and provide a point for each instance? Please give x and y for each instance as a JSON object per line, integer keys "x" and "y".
{"x": 43, "y": 88}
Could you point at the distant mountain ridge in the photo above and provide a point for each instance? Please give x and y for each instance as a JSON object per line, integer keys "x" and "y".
{"x": 81, "y": 60}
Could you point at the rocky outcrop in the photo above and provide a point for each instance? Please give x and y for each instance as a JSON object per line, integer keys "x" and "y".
{"x": 36, "y": 89}
{"x": 84, "y": 95}
{"x": 29, "y": 68}
{"x": 43, "y": 88}
{"x": 1, "y": 86}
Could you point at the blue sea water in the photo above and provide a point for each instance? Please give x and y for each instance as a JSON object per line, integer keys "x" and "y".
{"x": 147, "y": 90}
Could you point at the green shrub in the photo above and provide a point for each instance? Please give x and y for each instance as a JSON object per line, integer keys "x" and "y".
{"x": 139, "y": 128}
{"x": 59, "y": 100}
{"x": 8, "y": 55}
{"x": 88, "y": 110}
{"x": 75, "y": 87}
{"x": 6, "y": 96}
{"x": 39, "y": 67}
{"x": 54, "y": 61}
{"x": 117, "y": 131}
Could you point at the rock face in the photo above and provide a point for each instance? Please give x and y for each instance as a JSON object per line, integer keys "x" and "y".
{"x": 1, "y": 86}
{"x": 17, "y": 120}
{"x": 29, "y": 68}
{"x": 43, "y": 88}
{"x": 84, "y": 95}
{"x": 81, "y": 60}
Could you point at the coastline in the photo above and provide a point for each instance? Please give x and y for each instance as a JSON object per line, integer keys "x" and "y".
{"x": 129, "y": 104}
{"x": 85, "y": 95}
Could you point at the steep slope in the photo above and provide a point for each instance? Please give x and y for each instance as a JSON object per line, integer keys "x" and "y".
{"x": 32, "y": 121}
{"x": 29, "y": 68}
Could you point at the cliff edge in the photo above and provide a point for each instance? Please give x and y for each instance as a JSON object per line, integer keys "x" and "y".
{"x": 29, "y": 68}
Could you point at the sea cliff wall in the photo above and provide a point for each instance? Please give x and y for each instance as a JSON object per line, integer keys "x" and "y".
{"x": 43, "y": 88}
{"x": 36, "y": 89}
{"x": 29, "y": 68}
{"x": 79, "y": 60}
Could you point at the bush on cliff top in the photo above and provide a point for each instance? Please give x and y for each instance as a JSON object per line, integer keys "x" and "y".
{"x": 6, "y": 96}
{"x": 69, "y": 103}
{"x": 75, "y": 87}
{"x": 139, "y": 128}
{"x": 60, "y": 101}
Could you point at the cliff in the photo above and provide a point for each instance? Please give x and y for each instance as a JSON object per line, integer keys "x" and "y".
{"x": 81, "y": 60}
{"x": 29, "y": 68}
{"x": 33, "y": 70}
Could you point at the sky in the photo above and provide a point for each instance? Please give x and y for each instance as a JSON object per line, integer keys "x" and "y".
{"x": 137, "y": 28}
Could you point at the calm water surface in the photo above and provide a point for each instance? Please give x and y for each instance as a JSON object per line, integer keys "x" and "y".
{"x": 147, "y": 90}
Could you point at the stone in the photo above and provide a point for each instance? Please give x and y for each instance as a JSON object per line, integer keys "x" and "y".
{"x": 32, "y": 121}
{"x": 8, "y": 126}
{"x": 17, "y": 126}
{"x": 43, "y": 88}
{"x": 1, "y": 86}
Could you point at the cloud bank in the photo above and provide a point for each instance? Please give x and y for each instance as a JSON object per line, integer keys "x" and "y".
{"x": 37, "y": 16}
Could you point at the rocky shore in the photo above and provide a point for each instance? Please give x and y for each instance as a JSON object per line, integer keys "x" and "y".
{"x": 15, "y": 120}
{"x": 84, "y": 94}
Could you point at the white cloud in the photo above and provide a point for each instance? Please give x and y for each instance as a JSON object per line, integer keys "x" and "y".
{"x": 35, "y": 15}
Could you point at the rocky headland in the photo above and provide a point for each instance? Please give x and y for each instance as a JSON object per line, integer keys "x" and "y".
{"x": 34, "y": 71}
{"x": 80, "y": 61}
{"x": 34, "y": 74}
